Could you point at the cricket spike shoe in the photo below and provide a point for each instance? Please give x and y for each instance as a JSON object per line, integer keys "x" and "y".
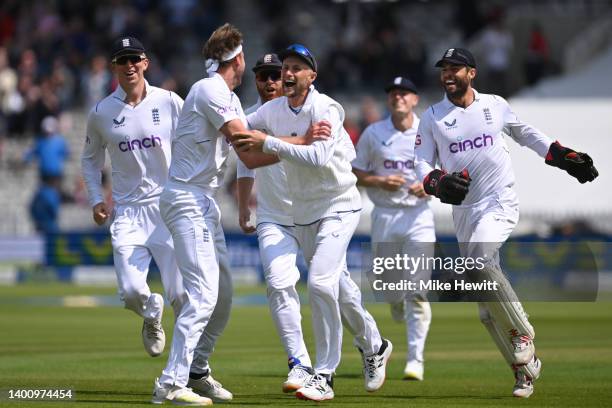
{"x": 523, "y": 348}
{"x": 153, "y": 336}
{"x": 297, "y": 378}
{"x": 178, "y": 396}
{"x": 375, "y": 366}
{"x": 414, "y": 371}
{"x": 208, "y": 387}
{"x": 525, "y": 375}
{"x": 318, "y": 388}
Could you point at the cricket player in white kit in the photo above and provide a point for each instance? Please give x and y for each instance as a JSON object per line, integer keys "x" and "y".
{"x": 278, "y": 246}
{"x": 401, "y": 216}
{"x": 464, "y": 134}
{"x": 211, "y": 114}
{"x": 325, "y": 205}
{"x": 135, "y": 124}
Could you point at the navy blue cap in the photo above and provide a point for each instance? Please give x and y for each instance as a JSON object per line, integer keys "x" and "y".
{"x": 127, "y": 46}
{"x": 268, "y": 61}
{"x": 300, "y": 51}
{"x": 401, "y": 83}
{"x": 458, "y": 56}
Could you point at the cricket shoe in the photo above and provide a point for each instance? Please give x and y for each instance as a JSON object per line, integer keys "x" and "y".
{"x": 153, "y": 336}
{"x": 525, "y": 375}
{"x": 375, "y": 366}
{"x": 177, "y": 396}
{"x": 414, "y": 371}
{"x": 208, "y": 387}
{"x": 524, "y": 349}
{"x": 297, "y": 378}
{"x": 319, "y": 387}
{"x": 397, "y": 311}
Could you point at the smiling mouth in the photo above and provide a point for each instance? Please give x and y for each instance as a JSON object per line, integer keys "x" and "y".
{"x": 289, "y": 83}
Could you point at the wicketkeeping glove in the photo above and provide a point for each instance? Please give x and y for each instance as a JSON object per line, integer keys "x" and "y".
{"x": 449, "y": 188}
{"x": 578, "y": 165}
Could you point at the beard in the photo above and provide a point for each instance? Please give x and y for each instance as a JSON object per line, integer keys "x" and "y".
{"x": 461, "y": 86}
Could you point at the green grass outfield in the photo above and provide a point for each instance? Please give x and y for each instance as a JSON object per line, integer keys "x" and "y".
{"x": 96, "y": 352}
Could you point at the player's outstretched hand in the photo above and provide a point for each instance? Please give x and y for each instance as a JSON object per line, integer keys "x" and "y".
{"x": 248, "y": 140}
{"x": 392, "y": 182}
{"x": 449, "y": 188}
{"x": 578, "y": 165}
{"x": 100, "y": 213}
{"x": 318, "y": 131}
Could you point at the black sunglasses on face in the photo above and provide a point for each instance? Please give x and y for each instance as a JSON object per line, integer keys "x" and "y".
{"x": 134, "y": 59}
{"x": 262, "y": 76}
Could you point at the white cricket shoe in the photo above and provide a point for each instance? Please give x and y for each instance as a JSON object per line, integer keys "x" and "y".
{"x": 397, "y": 311}
{"x": 524, "y": 349}
{"x": 318, "y": 388}
{"x": 177, "y": 396}
{"x": 153, "y": 336}
{"x": 525, "y": 375}
{"x": 375, "y": 366}
{"x": 209, "y": 387}
{"x": 414, "y": 371}
{"x": 297, "y": 378}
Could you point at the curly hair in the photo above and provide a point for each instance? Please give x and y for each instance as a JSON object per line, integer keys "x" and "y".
{"x": 223, "y": 40}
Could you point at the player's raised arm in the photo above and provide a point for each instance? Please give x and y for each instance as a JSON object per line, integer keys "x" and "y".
{"x": 578, "y": 165}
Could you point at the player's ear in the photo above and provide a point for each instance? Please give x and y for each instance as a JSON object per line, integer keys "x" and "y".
{"x": 313, "y": 76}
{"x": 471, "y": 73}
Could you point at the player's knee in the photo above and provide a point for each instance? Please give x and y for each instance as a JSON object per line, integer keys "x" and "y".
{"x": 321, "y": 289}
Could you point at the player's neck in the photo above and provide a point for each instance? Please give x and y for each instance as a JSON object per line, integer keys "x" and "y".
{"x": 230, "y": 78}
{"x": 402, "y": 121}
{"x": 135, "y": 94}
{"x": 464, "y": 100}
{"x": 296, "y": 101}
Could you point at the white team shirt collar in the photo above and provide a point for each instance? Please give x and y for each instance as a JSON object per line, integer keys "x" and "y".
{"x": 449, "y": 105}
{"x": 391, "y": 127}
{"x": 120, "y": 93}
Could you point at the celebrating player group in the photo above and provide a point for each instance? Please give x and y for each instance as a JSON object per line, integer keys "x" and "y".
{"x": 168, "y": 159}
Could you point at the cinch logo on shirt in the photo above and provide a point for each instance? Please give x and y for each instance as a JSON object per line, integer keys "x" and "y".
{"x": 398, "y": 164}
{"x": 138, "y": 144}
{"x": 469, "y": 144}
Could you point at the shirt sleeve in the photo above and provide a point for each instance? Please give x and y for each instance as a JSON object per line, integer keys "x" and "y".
{"x": 524, "y": 134}
{"x": 243, "y": 171}
{"x": 363, "y": 161}
{"x": 318, "y": 153}
{"x": 177, "y": 107}
{"x": 216, "y": 104}
{"x": 92, "y": 161}
{"x": 425, "y": 149}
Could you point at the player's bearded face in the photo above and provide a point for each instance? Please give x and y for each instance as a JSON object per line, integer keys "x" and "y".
{"x": 456, "y": 79}
{"x": 296, "y": 77}
{"x": 269, "y": 84}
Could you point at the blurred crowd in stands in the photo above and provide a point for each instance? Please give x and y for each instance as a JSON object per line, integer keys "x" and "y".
{"x": 54, "y": 59}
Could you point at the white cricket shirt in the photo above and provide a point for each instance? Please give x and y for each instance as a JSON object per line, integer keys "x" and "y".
{"x": 473, "y": 139}
{"x": 138, "y": 142}
{"x": 384, "y": 150}
{"x": 273, "y": 202}
{"x": 199, "y": 149}
{"x": 320, "y": 180}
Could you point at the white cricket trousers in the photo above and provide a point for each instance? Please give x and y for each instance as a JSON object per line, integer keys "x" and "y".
{"x": 482, "y": 229}
{"x": 406, "y": 229}
{"x": 278, "y": 247}
{"x": 324, "y": 244}
{"x": 137, "y": 235}
{"x": 195, "y": 224}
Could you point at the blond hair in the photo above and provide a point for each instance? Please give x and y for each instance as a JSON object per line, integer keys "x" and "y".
{"x": 223, "y": 40}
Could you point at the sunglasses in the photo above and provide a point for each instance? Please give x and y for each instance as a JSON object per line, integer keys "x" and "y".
{"x": 262, "y": 76}
{"x": 134, "y": 59}
{"x": 300, "y": 49}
